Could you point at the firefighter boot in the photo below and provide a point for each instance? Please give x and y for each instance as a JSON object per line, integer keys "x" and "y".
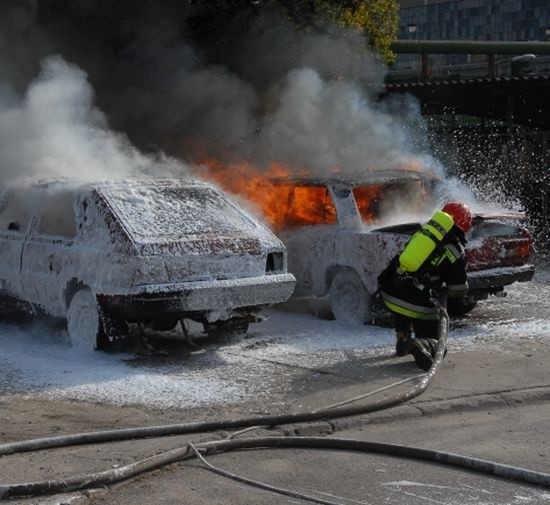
{"x": 423, "y": 351}
{"x": 403, "y": 343}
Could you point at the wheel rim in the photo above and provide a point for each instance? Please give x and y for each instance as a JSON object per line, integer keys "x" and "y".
{"x": 83, "y": 321}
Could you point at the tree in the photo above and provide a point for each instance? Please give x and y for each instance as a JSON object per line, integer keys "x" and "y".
{"x": 378, "y": 19}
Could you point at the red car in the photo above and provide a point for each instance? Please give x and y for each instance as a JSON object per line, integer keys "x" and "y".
{"x": 341, "y": 232}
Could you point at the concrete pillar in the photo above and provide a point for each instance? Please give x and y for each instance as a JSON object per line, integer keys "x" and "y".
{"x": 424, "y": 67}
{"x": 491, "y": 66}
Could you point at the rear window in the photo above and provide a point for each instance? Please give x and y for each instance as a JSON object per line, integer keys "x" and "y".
{"x": 367, "y": 199}
{"x": 153, "y": 213}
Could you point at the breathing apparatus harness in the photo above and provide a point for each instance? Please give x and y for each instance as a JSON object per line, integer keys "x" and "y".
{"x": 415, "y": 264}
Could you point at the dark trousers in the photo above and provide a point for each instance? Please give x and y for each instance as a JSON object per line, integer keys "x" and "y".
{"x": 421, "y": 327}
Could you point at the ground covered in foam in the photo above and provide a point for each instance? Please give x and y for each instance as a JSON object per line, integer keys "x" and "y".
{"x": 36, "y": 361}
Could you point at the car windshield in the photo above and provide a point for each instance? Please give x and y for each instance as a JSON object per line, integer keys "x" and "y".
{"x": 153, "y": 213}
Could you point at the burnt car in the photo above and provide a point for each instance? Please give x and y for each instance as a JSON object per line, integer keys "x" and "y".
{"x": 136, "y": 251}
{"x": 341, "y": 232}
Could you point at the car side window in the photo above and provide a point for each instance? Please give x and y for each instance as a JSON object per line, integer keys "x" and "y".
{"x": 310, "y": 205}
{"x": 56, "y": 215}
{"x": 15, "y": 212}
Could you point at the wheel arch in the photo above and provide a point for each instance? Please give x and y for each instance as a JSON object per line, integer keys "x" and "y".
{"x": 349, "y": 298}
{"x": 334, "y": 269}
{"x": 72, "y": 287}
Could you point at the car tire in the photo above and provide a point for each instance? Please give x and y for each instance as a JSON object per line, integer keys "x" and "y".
{"x": 350, "y": 301}
{"x": 84, "y": 322}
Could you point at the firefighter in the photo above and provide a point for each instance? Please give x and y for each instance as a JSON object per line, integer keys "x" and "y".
{"x": 431, "y": 266}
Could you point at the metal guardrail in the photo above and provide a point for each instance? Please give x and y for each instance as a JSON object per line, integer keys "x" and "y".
{"x": 478, "y": 69}
{"x": 518, "y": 58}
{"x": 469, "y": 47}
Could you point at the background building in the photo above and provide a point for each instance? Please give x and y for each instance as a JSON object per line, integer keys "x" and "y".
{"x": 504, "y": 156}
{"x": 506, "y": 20}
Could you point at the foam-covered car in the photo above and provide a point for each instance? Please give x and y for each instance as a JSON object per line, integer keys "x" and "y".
{"x": 341, "y": 232}
{"x": 152, "y": 251}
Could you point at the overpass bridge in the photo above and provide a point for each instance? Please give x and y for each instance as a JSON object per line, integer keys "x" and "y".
{"x": 521, "y": 98}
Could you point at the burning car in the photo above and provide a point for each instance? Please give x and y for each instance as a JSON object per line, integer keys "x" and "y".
{"x": 151, "y": 251}
{"x": 337, "y": 246}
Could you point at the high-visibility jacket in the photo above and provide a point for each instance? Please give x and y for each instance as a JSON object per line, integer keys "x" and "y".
{"x": 410, "y": 294}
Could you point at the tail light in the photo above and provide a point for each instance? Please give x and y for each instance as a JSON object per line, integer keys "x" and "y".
{"x": 521, "y": 249}
{"x": 500, "y": 251}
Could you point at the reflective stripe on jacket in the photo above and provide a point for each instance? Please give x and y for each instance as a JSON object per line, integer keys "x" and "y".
{"x": 452, "y": 253}
{"x": 410, "y": 309}
{"x": 410, "y": 295}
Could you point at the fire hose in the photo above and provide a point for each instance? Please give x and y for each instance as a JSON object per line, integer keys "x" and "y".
{"x": 168, "y": 457}
{"x": 208, "y": 426}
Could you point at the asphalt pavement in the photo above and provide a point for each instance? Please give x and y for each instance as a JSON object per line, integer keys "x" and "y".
{"x": 488, "y": 380}
{"x": 485, "y": 404}
{"x": 466, "y": 381}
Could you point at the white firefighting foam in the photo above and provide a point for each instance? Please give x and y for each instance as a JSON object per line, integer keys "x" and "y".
{"x": 185, "y": 232}
{"x": 38, "y": 362}
{"x": 55, "y": 129}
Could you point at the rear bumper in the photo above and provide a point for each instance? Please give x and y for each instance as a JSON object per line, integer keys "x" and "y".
{"x": 488, "y": 280}
{"x": 211, "y": 300}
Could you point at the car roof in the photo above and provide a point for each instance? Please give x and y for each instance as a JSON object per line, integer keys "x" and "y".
{"x": 69, "y": 183}
{"x": 357, "y": 179}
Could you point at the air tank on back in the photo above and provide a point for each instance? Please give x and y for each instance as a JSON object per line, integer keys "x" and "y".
{"x": 424, "y": 242}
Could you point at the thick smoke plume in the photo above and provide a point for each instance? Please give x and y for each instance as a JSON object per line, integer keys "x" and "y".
{"x": 305, "y": 100}
{"x": 270, "y": 94}
{"x": 55, "y": 130}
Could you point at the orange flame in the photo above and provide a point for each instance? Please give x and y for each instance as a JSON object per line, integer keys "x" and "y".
{"x": 282, "y": 201}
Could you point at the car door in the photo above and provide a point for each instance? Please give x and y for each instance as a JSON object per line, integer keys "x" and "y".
{"x": 48, "y": 259}
{"x": 15, "y": 221}
{"x": 309, "y": 233}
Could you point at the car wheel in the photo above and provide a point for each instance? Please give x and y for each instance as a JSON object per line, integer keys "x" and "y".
{"x": 349, "y": 299}
{"x": 84, "y": 322}
{"x": 226, "y": 329}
